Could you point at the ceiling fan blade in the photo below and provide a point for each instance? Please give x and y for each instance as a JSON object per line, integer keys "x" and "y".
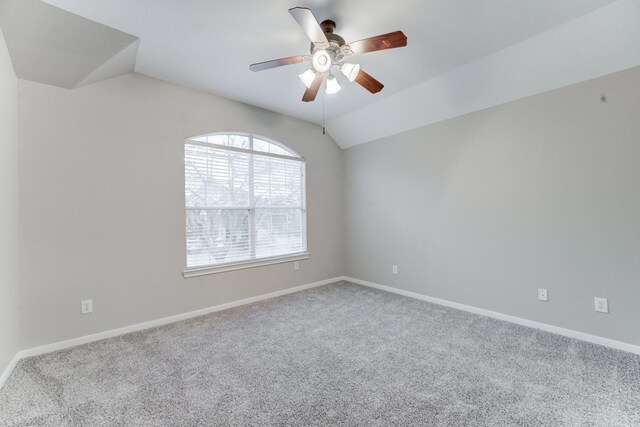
{"x": 310, "y": 93}
{"x": 381, "y": 42}
{"x": 276, "y": 63}
{"x": 309, "y": 24}
{"x": 368, "y": 82}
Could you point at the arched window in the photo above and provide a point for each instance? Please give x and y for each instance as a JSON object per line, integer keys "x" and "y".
{"x": 244, "y": 201}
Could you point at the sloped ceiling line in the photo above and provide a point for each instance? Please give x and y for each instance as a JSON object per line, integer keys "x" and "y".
{"x": 597, "y": 44}
{"x": 50, "y": 45}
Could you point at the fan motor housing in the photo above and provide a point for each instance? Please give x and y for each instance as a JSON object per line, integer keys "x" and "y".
{"x": 335, "y": 41}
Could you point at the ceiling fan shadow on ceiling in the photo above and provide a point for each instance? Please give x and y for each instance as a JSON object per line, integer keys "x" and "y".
{"x": 329, "y": 50}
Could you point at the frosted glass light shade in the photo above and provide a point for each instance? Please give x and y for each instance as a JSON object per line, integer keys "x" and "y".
{"x": 350, "y": 70}
{"x": 307, "y": 77}
{"x": 332, "y": 85}
{"x": 321, "y": 61}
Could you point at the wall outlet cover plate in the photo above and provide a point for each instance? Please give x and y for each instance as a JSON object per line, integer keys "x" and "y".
{"x": 86, "y": 306}
{"x": 542, "y": 295}
{"x": 601, "y": 305}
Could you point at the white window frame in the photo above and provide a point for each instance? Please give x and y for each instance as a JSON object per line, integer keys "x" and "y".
{"x": 254, "y": 262}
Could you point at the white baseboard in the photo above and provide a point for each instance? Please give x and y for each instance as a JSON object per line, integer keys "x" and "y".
{"x": 631, "y": 348}
{"x": 48, "y": 348}
{"x": 176, "y": 318}
{"x": 7, "y": 372}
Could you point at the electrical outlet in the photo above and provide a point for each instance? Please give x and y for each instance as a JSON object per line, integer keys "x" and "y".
{"x": 394, "y": 269}
{"x": 542, "y": 294}
{"x": 601, "y": 305}
{"x": 296, "y": 266}
{"x": 86, "y": 306}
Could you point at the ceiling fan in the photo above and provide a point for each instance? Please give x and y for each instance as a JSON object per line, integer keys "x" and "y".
{"x": 330, "y": 50}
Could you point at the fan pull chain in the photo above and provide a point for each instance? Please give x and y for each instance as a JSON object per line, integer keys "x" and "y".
{"x": 323, "y": 131}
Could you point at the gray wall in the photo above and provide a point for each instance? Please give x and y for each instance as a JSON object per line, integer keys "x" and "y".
{"x": 485, "y": 208}
{"x": 9, "y": 318}
{"x": 482, "y": 209}
{"x": 102, "y": 202}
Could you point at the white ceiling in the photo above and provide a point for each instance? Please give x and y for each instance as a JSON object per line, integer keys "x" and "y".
{"x": 209, "y": 44}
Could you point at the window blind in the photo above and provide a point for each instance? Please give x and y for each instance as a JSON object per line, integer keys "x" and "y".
{"x": 245, "y": 200}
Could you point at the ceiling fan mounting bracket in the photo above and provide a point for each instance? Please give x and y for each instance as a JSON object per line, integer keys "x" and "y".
{"x": 328, "y": 26}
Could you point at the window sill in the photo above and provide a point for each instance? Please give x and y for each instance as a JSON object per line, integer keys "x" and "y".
{"x": 212, "y": 269}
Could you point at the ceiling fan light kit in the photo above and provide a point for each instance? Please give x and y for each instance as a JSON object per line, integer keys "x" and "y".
{"x": 332, "y": 85}
{"x": 350, "y": 71}
{"x": 329, "y": 50}
{"x": 307, "y": 77}
{"x": 321, "y": 61}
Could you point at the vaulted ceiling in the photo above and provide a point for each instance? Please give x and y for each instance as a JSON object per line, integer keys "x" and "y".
{"x": 461, "y": 56}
